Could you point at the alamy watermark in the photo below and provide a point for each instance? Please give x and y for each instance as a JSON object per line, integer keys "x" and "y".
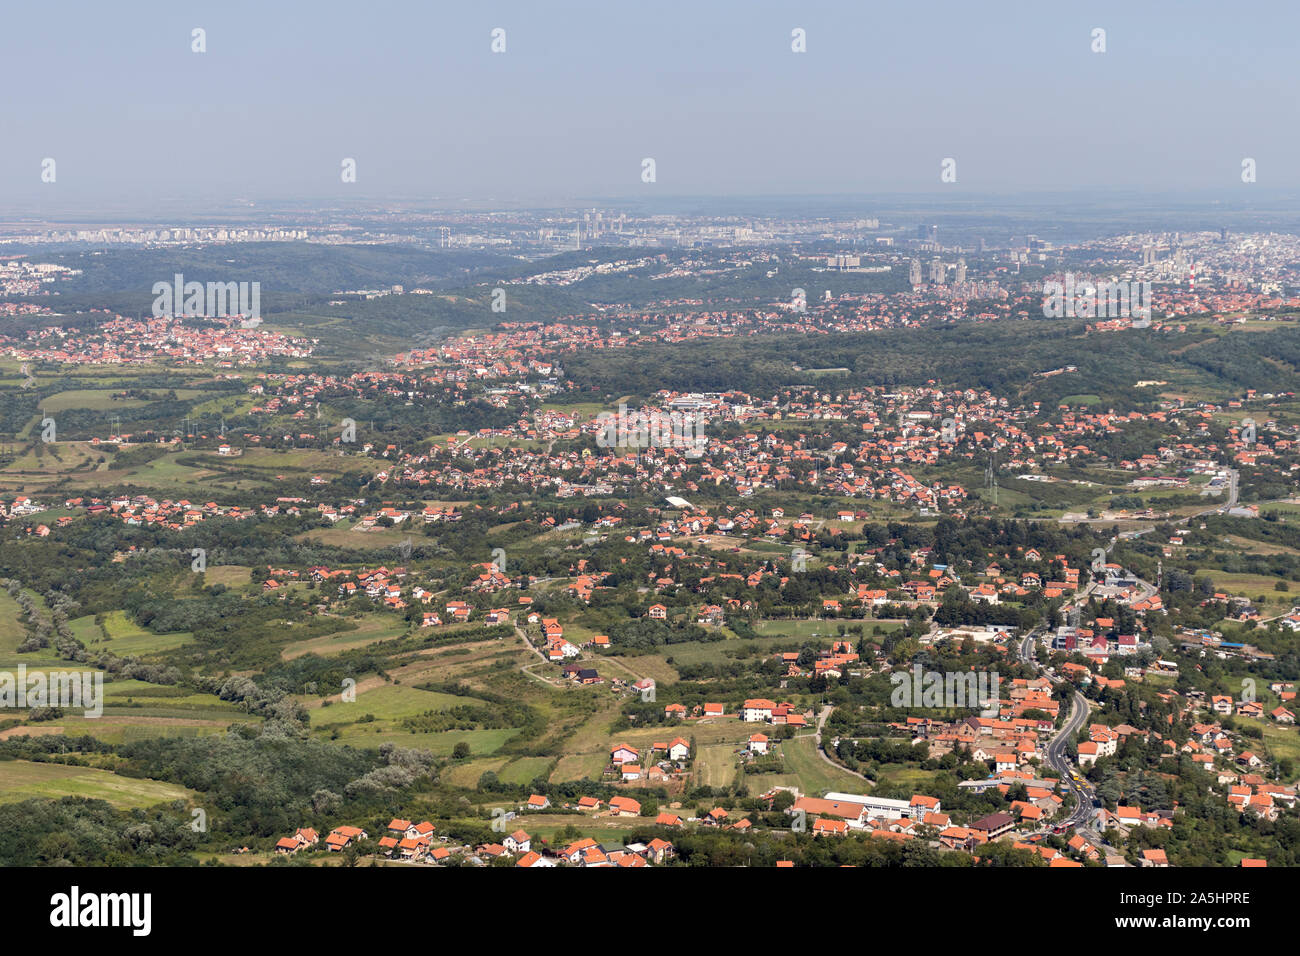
{"x": 75, "y": 909}
{"x": 65, "y": 690}
{"x": 953, "y": 690}
{"x": 624, "y": 429}
{"x": 1088, "y": 300}
{"x": 181, "y": 299}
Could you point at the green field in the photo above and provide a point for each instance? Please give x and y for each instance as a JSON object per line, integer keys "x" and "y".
{"x": 715, "y": 765}
{"x": 466, "y": 773}
{"x": 12, "y": 635}
{"x": 372, "y": 736}
{"x": 805, "y": 769}
{"x": 22, "y": 780}
{"x": 1245, "y": 585}
{"x": 1282, "y": 742}
{"x": 798, "y": 631}
{"x": 126, "y": 639}
{"x": 91, "y": 398}
{"x": 351, "y": 724}
{"x": 231, "y": 575}
{"x": 524, "y": 770}
{"x": 371, "y": 629}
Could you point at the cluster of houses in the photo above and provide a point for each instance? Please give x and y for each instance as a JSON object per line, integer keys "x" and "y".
{"x": 1098, "y": 643}
{"x": 762, "y": 710}
{"x": 620, "y": 806}
{"x": 680, "y": 711}
{"x": 1005, "y": 746}
{"x": 225, "y": 342}
{"x": 901, "y": 427}
{"x": 834, "y": 662}
{"x": 838, "y": 814}
{"x": 586, "y": 852}
{"x": 22, "y": 506}
{"x": 1203, "y": 643}
{"x": 415, "y": 843}
{"x": 626, "y": 761}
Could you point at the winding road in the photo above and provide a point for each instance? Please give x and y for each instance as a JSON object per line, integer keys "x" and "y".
{"x": 821, "y": 751}
{"x": 1057, "y": 755}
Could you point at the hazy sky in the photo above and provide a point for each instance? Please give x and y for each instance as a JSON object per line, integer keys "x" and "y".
{"x": 585, "y": 91}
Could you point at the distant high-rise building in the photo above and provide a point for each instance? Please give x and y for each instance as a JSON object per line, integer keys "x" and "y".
{"x": 914, "y": 274}
{"x": 960, "y": 276}
{"x": 938, "y": 271}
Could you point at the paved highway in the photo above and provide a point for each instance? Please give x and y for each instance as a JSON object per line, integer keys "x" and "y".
{"x": 1071, "y": 780}
{"x": 1055, "y": 754}
{"x": 1057, "y": 757}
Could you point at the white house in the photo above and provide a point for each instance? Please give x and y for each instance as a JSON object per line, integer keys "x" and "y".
{"x": 757, "y": 709}
{"x": 517, "y": 842}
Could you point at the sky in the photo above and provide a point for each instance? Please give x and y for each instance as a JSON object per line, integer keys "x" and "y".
{"x": 584, "y": 92}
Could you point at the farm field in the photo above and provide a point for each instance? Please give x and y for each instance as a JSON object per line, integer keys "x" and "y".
{"x": 345, "y": 534}
{"x": 823, "y": 630}
{"x": 124, "y": 638}
{"x": 466, "y": 773}
{"x": 481, "y": 742}
{"x": 715, "y": 765}
{"x": 1282, "y": 742}
{"x": 369, "y": 631}
{"x": 1246, "y": 585}
{"x": 805, "y": 769}
{"x": 12, "y": 636}
{"x": 231, "y": 575}
{"x": 385, "y": 702}
{"x": 22, "y": 780}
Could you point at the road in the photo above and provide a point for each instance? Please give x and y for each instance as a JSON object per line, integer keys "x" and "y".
{"x": 1233, "y": 478}
{"x": 821, "y": 751}
{"x": 586, "y": 661}
{"x": 540, "y": 656}
{"x": 1058, "y": 759}
{"x": 1056, "y": 753}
